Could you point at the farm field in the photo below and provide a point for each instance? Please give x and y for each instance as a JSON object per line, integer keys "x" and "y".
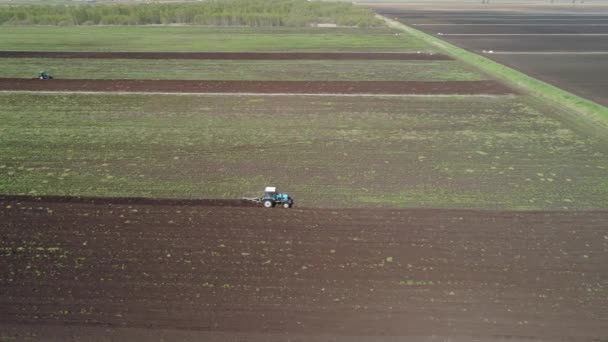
{"x": 194, "y": 272}
{"x": 242, "y": 87}
{"x": 278, "y": 70}
{"x": 420, "y": 214}
{"x": 337, "y": 151}
{"x": 566, "y": 46}
{"x": 200, "y": 39}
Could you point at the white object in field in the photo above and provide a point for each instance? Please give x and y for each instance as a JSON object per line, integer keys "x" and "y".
{"x": 270, "y": 189}
{"x": 491, "y": 51}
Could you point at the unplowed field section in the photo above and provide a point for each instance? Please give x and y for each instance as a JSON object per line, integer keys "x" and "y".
{"x": 289, "y": 87}
{"x": 81, "y": 270}
{"x": 230, "y": 55}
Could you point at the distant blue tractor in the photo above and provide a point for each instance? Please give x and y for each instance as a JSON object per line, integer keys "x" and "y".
{"x": 271, "y": 198}
{"x": 43, "y": 75}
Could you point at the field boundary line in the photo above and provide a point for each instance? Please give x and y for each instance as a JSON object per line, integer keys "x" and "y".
{"x": 525, "y": 34}
{"x": 588, "y": 109}
{"x": 582, "y": 53}
{"x": 76, "y": 92}
{"x": 522, "y": 19}
{"x": 584, "y": 25}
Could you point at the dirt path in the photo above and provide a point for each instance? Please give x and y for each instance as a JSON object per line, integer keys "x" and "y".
{"x": 487, "y": 87}
{"x": 231, "y": 55}
{"x": 140, "y": 270}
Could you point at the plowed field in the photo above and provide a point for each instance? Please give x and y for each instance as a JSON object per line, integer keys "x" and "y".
{"x": 87, "y": 271}
{"x": 288, "y": 87}
{"x": 566, "y": 46}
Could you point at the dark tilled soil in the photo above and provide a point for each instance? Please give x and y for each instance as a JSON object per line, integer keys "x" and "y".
{"x": 545, "y": 44}
{"x": 231, "y": 55}
{"x": 133, "y": 200}
{"x": 583, "y": 79}
{"x": 511, "y": 29}
{"x": 290, "y": 87}
{"x": 98, "y": 270}
{"x": 521, "y": 28}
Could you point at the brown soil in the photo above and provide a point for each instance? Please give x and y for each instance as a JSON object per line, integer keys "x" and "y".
{"x": 289, "y": 87}
{"x": 111, "y": 270}
{"x": 530, "y": 34}
{"x": 231, "y": 55}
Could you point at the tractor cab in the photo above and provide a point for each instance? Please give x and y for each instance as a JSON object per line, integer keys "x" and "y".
{"x": 269, "y": 192}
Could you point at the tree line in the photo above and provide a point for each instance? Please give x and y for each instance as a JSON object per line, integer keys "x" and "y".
{"x": 214, "y": 12}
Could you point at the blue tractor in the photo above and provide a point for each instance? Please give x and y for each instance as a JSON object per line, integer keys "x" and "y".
{"x": 43, "y": 75}
{"x": 272, "y": 198}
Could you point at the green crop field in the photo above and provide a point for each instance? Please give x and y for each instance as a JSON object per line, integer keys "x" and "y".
{"x": 491, "y": 152}
{"x": 478, "y": 152}
{"x": 239, "y": 70}
{"x": 164, "y": 38}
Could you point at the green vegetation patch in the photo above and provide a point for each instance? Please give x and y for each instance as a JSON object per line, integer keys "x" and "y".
{"x": 213, "y": 12}
{"x": 200, "y": 39}
{"x": 295, "y": 70}
{"x": 454, "y": 152}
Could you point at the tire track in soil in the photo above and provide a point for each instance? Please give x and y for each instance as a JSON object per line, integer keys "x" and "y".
{"x": 212, "y": 202}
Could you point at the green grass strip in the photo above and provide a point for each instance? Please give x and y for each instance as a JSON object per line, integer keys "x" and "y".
{"x": 200, "y": 39}
{"x": 296, "y": 70}
{"x": 590, "y": 110}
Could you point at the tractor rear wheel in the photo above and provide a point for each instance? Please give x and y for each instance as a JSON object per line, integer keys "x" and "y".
{"x": 268, "y": 204}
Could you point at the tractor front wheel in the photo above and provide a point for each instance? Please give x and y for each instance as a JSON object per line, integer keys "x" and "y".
{"x": 286, "y": 205}
{"x": 268, "y": 204}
